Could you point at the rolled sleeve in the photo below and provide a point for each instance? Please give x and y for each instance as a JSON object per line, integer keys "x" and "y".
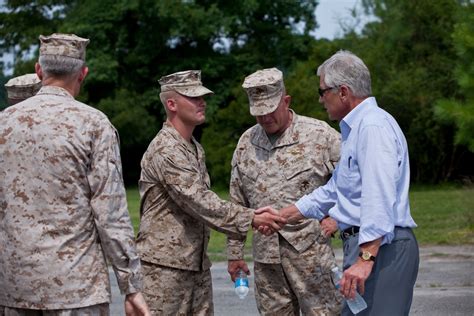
{"x": 379, "y": 177}
{"x": 317, "y": 203}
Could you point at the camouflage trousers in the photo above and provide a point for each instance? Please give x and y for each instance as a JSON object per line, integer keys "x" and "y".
{"x": 94, "y": 310}
{"x": 170, "y": 291}
{"x": 301, "y": 281}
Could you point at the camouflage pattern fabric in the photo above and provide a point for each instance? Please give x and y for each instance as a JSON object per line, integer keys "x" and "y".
{"x": 170, "y": 291}
{"x": 94, "y": 310}
{"x": 177, "y": 206}
{"x": 186, "y": 82}
{"x": 301, "y": 282}
{"x": 68, "y": 45}
{"x": 62, "y": 206}
{"x": 264, "y": 89}
{"x": 300, "y": 160}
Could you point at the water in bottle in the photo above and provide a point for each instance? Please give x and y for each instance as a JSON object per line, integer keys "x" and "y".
{"x": 241, "y": 284}
{"x": 357, "y": 304}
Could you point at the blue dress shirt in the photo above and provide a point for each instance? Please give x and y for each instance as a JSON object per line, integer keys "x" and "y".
{"x": 369, "y": 187}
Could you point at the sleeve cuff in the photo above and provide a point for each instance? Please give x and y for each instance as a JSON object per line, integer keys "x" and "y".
{"x": 307, "y": 209}
{"x": 235, "y": 249}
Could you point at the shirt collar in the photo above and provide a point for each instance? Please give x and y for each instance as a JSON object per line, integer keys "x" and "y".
{"x": 353, "y": 118}
{"x": 169, "y": 128}
{"x": 55, "y": 90}
{"x": 260, "y": 138}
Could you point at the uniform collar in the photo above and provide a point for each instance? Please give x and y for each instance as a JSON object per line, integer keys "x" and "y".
{"x": 169, "y": 128}
{"x": 289, "y": 137}
{"x": 55, "y": 90}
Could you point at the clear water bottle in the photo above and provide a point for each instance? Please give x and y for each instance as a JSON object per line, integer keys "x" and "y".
{"x": 357, "y": 304}
{"x": 241, "y": 284}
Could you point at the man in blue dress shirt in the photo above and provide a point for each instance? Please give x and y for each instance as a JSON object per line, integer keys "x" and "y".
{"x": 368, "y": 192}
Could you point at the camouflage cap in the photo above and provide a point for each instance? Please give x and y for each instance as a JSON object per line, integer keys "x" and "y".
{"x": 265, "y": 89}
{"x": 23, "y": 87}
{"x": 186, "y": 82}
{"x": 68, "y": 45}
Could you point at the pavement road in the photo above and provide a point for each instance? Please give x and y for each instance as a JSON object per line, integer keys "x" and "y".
{"x": 445, "y": 285}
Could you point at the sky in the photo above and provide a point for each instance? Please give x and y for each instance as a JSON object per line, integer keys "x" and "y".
{"x": 329, "y": 15}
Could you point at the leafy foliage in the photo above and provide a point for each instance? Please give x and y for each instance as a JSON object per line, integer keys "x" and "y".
{"x": 459, "y": 109}
{"x": 410, "y": 48}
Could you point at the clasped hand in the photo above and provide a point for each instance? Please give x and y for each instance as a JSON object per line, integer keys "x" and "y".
{"x": 289, "y": 214}
{"x": 268, "y": 219}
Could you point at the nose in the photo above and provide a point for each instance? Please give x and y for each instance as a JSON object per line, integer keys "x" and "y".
{"x": 201, "y": 102}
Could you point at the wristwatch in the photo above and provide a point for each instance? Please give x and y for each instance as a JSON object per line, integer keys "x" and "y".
{"x": 366, "y": 256}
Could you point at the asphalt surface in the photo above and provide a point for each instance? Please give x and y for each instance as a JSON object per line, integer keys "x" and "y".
{"x": 445, "y": 285}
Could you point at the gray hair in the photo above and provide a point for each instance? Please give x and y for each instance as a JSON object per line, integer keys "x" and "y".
{"x": 345, "y": 68}
{"x": 60, "y": 66}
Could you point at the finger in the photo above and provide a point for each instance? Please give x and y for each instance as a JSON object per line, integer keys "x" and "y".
{"x": 267, "y": 231}
{"x": 274, "y": 225}
{"x": 361, "y": 287}
{"x": 263, "y": 210}
{"x": 346, "y": 287}
{"x": 353, "y": 290}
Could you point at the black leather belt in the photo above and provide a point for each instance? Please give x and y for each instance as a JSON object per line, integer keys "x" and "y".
{"x": 348, "y": 232}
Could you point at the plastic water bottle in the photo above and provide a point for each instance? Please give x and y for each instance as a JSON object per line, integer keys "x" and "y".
{"x": 356, "y": 305}
{"x": 241, "y": 284}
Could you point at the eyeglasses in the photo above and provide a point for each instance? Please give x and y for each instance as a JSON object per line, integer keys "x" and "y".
{"x": 323, "y": 91}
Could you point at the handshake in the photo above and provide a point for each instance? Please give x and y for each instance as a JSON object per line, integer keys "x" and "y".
{"x": 267, "y": 220}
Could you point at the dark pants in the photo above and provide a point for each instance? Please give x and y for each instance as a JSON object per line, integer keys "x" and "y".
{"x": 389, "y": 288}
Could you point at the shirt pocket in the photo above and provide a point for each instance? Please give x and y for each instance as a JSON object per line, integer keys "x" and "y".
{"x": 348, "y": 177}
{"x": 250, "y": 177}
{"x": 300, "y": 178}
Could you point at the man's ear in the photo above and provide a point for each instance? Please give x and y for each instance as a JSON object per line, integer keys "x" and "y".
{"x": 344, "y": 92}
{"x": 171, "y": 105}
{"x": 83, "y": 74}
{"x": 287, "y": 99}
{"x": 39, "y": 71}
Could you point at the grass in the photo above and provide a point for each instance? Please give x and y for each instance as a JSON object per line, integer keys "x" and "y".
{"x": 444, "y": 214}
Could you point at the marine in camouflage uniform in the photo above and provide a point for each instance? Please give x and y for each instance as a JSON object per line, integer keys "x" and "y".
{"x": 22, "y": 87}
{"x": 62, "y": 199}
{"x": 178, "y": 207}
{"x": 277, "y": 161}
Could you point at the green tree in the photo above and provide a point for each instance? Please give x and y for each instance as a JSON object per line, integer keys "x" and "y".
{"x": 409, "y": 51}
{"x": 459, "y": 110}
{"x": 135, "y": 42}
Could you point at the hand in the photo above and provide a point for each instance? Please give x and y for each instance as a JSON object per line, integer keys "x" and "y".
{"x": 354, "y": 278}
{"x": 328, "y": 226}
{"x": 290, "y": 213}
{"x": 233, "y": 266}
{"x": 135, "y": 305}
{"x": 268, "y": 217}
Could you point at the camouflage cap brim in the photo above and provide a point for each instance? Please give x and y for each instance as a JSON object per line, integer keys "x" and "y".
{"x": 23, "y": 87}
{"x": 193, "y": 91}
{"x": 265, "y": 106}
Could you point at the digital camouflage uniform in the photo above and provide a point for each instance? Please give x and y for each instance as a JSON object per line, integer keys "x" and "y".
{"x": 177, "y": 209}
{"x": 292, "y": 267}
{"x": 62, "y": 203}
{"x": 22, "y": 87}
